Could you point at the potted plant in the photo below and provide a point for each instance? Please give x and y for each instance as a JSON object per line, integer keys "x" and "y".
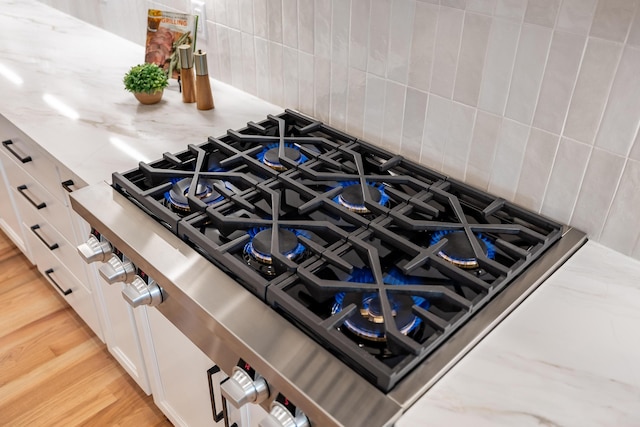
{"x": 146, "y": 82}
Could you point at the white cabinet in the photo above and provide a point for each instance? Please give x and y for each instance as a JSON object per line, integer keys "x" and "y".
{"x": 180, "y": 378}
{"x": 42, "y": 224}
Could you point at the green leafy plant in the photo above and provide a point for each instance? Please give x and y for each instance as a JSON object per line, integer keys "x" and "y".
{"x": 145, "y": 78}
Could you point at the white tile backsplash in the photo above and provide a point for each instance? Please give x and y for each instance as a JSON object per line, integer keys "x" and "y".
{"x": 536, "y": 101}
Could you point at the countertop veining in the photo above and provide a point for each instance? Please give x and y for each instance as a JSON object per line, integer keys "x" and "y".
{"x": 569, "y": 355}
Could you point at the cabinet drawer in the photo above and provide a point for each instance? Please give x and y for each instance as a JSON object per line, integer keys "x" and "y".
{"x": 26, "y": 154}
{"x": 49, "y": 239}
{"x": 31, "y": 196}
{"x": 76, "y": 294}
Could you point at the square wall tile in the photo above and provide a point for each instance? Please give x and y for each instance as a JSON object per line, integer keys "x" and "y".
{"x": 290, "y": 23}
{"x": 622, "y": 227}
{"x": 597, "y": 191}
{"x": 322, "y": 90}
{"x": 513, "y": 9}
{"x": 568, "y": 169}
{"x": 306, "y": 21}
{"x": 379, "y": 37}
{"x": 622, "y": 114}
{"x": 291, "y": 83}
{"x": 339, "y": 90}
{"x": 575, "y": 16}
{"x": 542, "y": 12}
{"x": 393, "y": 115}
{"x": 340, "y": 31}
{"x": 536, "y": 168}
{"x": 482, "y": 150}
{"x": 436, "y": 127}
{"x": 498, "y": 65}
{"x": 445, "y": 58}
{"x": 415, "y": 108}
{"x": 612, "y": 19}
{"x": 590, "y": 95}
{"x": 274, "y": 20}
{"x": 531, "y": 58}
{"x": 558, "y": 81}
{"x": 512, "y": 142}
{"x": 400, "y": 33}
{"x": 359, "y": 34}
{"x": 355, "y": 101}
{"x": 473, "y": 49}
{"x": 422, "y": 45}
{"x": 322, "y": 28}
{"x": 306, "y": 83}
{"x": 458, "y": 140}
{"x": 248, "y": 64}
{"x": 374, "y": 108}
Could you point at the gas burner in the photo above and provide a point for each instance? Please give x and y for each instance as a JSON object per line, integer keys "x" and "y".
{"x": 458, "y": 250}
{"x": 257, "y": 252}
{"x": 368, "y": 323}
{"x": 352, "y": 196}
{"x": 269, "y": 156}
{"x": 205, "y": 191}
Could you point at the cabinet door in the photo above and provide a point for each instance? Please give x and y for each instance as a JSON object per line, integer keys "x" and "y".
{"x": 9, "y": 220}
{"x": 120, "y": 330}
{"x": 180, "y": 380}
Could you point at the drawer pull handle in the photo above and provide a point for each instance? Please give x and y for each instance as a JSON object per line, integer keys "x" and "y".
{"x": 67, "y": 185}
{"x": 7, "y": 144}
{"x": 38, "y": 206}
{"x": 48, "y": 273}
{"x": 37, "y": 227}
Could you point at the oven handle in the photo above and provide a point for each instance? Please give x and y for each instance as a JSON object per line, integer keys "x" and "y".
{"x": 38, "y": 206}
{"x": 7, "y": 144}
{"x": 48, "y": 274}
{"x": 223, "y": 414}
{"x": 51, "y": 247}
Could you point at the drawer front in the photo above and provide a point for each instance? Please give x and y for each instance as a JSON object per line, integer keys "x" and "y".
{"x": 49, "y": 239}
{"x": 36, "y": 198}
{"x": 66, "y": 284}
{"x": 25, "y": 154}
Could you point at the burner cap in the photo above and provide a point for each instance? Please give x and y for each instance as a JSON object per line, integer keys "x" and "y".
{"x": 177, "y": 196}
{"x": 260, "y": 245}
{"x": 458, "y": 250}
{"x": 272, "y": 160}
{"x": 368, "y": 322}
{"x": 352, "y": 198}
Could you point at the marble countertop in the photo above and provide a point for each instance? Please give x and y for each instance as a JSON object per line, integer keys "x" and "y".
{"x": 569, "y": 355}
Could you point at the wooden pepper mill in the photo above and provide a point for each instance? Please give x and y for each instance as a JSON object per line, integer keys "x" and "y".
{"x": 186, "y": 73}
{"x": 203, "y": 86}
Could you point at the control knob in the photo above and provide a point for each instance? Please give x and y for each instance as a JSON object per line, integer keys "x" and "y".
{"x": 280, "y": 416}
{"x": 241, "y": 389}
{"x": 117, "y": 270}
{"x": 138, "y": 292}
{"x": 94, "y": 250}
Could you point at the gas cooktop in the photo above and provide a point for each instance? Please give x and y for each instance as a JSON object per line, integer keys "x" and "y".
{"x": 377, "y": 258}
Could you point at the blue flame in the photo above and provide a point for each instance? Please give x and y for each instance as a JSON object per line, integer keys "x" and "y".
{"x": 439, "y": 235}
{"x": 298, "y": 250}
{"x": 384, "y": 197}
{"x": 271, "y": 146}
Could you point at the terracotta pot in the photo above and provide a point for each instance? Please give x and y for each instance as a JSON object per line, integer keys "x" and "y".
{"x": 149, "y": 98}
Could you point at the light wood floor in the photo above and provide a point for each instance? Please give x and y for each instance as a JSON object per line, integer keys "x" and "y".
{"x": 53, "y": 370}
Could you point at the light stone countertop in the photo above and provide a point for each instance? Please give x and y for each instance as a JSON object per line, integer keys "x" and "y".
{"x": 569, "y": 355}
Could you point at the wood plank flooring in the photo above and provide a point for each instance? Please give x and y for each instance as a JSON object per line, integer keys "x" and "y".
{"x": 53, "y": 370}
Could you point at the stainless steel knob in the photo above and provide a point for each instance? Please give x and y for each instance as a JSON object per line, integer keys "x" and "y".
{"x": 116, "y": 270}
{"x": 94, "y": 250}
{"x": 280, "y": 416}
{"x": 241, "y": 389}
{"x": 139, "y": 292}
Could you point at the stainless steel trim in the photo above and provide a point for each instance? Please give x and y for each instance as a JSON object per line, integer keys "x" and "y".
{"x": 225, "y": 320}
